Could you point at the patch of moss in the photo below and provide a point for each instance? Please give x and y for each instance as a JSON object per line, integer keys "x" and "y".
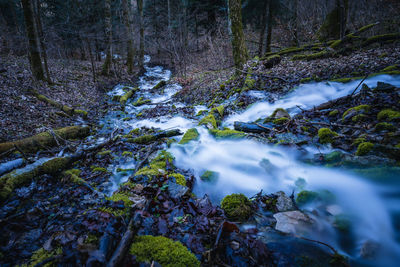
{"x": 326, "y": 135}
{"x": 363, "y": 108}
{"x": 166, "y": 252}
{"x": 144, "y": 139}
{"x": 135, "y": 131}
{"x": 364, "y": 148}
{"x": 333, "y": 113}
{"x": 73, "y": 174}
{"x": 209, "y": 176}
{"x": 157, "y": 166}
{"x": 237, "y": 207}
{"x": 159, "y": 85}
{"x": 170, "y": 142}
{"x": 334, "y": 156}
{"x": 317, "y": 55}
{"x": 306, "y": 80}
{"x": 384, "y": 126}
{"x": 141, "y": 101}
{"x": 116, "y": 197}
{"x": 201, "y": 113}
{"x": 41, "y": 255}
{"x": 281, "y": 121}
{"x": 179, "y": 178}
{"x": 127, "y": 154}
{"x": 220, "y": 110}
{"x": 381, "y": 38}
{"x": 249, "y": 83}
{"x": 359, "y": 141}
{"x": 104, "y": 153}
{"x": 359, "y": 117}
{"x": 391, "y": 68}
{"x": 227, "y": 134}
{"x": 306, "y": 197}
{"x": 125, "y": 97}
{"x": 190, "y": 135}
{"x": 99, "y": 169}
{"x": 282, "y": 113}
{"x": 209, "y": 121}
{"x": 55, "y": 165}
{"x": 290, "y": 50}
{"x": 388, "y": 114}
{"x": 83, "y": 113}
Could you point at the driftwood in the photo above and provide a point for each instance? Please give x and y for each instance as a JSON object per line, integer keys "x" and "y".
{"x": 252, "y": 127}
{"x": 45, "y": 139}
{"x": 149, "y": 138}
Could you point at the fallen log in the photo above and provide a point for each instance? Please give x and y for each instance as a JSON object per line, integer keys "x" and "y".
{"x": 46, "y": 139}
{"x": 123, "y": 99}
{"x": 252, "y": 127}
{"x": 65, "y": 108}
{"x": 52, "y": 166}
{"x": 148, "y": 138}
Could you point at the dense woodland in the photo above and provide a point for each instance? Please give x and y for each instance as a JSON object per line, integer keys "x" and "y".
{"x": 199, "y": 133}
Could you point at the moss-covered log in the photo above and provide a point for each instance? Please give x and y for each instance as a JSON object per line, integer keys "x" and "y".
{"x": 322, "y": 54}
{"x": 381, "y": 38}
{"x": 17, "y": 178}
{"x": 46, "y": 139}
{"x": 159, "y": 85}
{"x": 149, "y": 138}
{"x": 126, "y": 96}
{"x": 65, "y": 108}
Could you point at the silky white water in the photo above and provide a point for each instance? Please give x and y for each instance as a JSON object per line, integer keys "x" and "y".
{"x": 246, "y": 166}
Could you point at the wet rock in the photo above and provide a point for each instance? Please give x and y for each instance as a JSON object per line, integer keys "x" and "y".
{"x": 177, "y": 190}
{"x": 292, "y": 222}
{"x": 369, "y": 249}
{"x": 284, "y": 203}
{"x": 381, "y": 86}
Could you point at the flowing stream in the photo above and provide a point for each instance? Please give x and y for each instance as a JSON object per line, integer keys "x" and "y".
{"x": 247, "y": 166}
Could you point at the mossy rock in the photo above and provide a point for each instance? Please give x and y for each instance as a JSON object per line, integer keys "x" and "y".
{"x": 125, "y": 97}
{"x": 141, "y": 101}
{"x": 237, "y": 207}
{"x": 227, "y": 134}
{"x": 127, "y": 154}
{"x": 179, "y": 178}
{"x": 281, "y": 121}
{"x": 384, "y": 126}
{"x": 391, "y": 68}
{"x": 272, "y": 61}
{"x": 159, "y": 85}
{"x": 306, "y": 80}
{"x": 326, "y": 135}
{"x": 306, "y": 197}
{"x": 190, "y": 135}
{"x": 360, "y": 108}
{"x": 209, "y": 121}
{"x": 157, "y": 166}
{"x": 209, "y": 177}
{"x": 333, "y": 113}
{"x": 166, "y": 252}
{"x": 388, "y": 115}
{"x": 218, "y": 111}
{"x": 364, "y": 148}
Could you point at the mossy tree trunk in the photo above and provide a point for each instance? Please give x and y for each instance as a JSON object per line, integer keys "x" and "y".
{"x": 269, "y": 30}
{"x": 141, "y": 31}
{"x": 264, "y": 20}
{"x": 108, "y": 32}
{"x": 239, "y": 48}
{"x": 35, "y": 59}
{"x": 334, "y": 26}
{"x": 128, "y": 29}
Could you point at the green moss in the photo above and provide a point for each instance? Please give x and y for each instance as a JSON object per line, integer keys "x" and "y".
{"x": 363, "y": 108}
{"x": 99, "y": 169}
{"x": 209, "y": 176}
{"x": 121, "y": 197}
{"x": 209, "y": 121}
{"x": 333, "y": 157}
{"x": 92, "y": 239}
{"x": 382, "y": 37}
{"x": 359, "y": 141}
{"x": 346, "y": 80}
{"x": 270, "y": 203}
{"x": 159, "y": 85}
{"x": 281, "y": 111}
{"x": 171, "y": 141}
{"x": 144, "y": 139}
{"x": 336, "y": 44}
{"x": 359, "y": 117}
{"x": 290, "y": 50}
{"x": 127, "y": 154}
{"x": 125, "y": 97}
{"x": 249, "y": 83}
{"x": 104, "y": 153}
{"x": 41, "y": 255}
{"x": 333, "y": 113}
{"x": 190, "y": 135}
{"x": 179, "y": 178}
{"x": 166, "y": 252}
{"x": 281, "y": 121}
{"x": 135, "y": 131}
{"x": 384, "y": 126}
{"x": 364, "y": 148}
{"x": 326, "y": 135}
{"x": 141, "y": 101}
{"x": 306, "y": 80}
{"x": 220, "y": 110}
{"x": 321, "y": 54}
{"x": 201, "y": 113}
{"x": 306, "y": 197}
{"x": 388, "y": 114}
{"x": 83, "y": 113}
{"x": 127, "y": 119}
{"x": 227, "y": 134}
{"x": 391, "y": 68}
{"x": 55, "y": 165}
{"x": 237, "y": 207}
{"x": 157, "y": 166}
{"x": 73, "y": 174}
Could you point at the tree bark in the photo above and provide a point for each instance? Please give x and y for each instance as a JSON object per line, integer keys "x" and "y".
{"x": 263, "y": 28}
{"x": 239, "y": 48}
{"x": 128, "y": 28}
{"x": 269, "y": 31}
{"x": 295, "y": 30}
{"x": 108, "y": 32}
{"x": 41, "y": 38}
{"x": 141, "y": 31}
{"x": 33, "y": 40}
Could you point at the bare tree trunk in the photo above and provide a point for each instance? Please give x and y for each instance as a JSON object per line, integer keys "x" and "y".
{"x": 295, "y": 31}
{"x": 128, "y": 28}
{"x": 108, "y": 31}
{"x": 91, "y": 59}
{"x": 342, "y": 5}
{"x": 239, "y": 48}
{"x": 263, "y": 28}
{"x": 41, "y": 38}
{"x": 269, "y": 31}
{"x": 141, "y": 30}
{"x": 33, "y": 40}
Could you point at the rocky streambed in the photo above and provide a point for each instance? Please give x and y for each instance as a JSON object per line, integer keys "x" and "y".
{"x": 308, "y": 179}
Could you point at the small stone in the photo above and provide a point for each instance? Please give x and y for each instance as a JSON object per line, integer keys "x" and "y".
{"x": 284, "y": 203}
{"x": 235, "y": 245}
{"x": 292, "y": 222}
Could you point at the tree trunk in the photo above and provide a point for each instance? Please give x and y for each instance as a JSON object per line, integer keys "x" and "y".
{"x": 141, "y": 30}
{"x": 295, "y": 30}
{"x": 269, "y": 31}
{"x": 238, "y": 41}
{"x": 33, "y": 40}
{"x": 41, "y": 38}
{"x": 128, "y": 29}
{"x": 342, "y": 5}
{"x": 108, "y": 31}
{"x": 263, "y": 28}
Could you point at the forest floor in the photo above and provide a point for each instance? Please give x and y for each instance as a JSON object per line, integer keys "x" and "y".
{"x": 23, "y": 115}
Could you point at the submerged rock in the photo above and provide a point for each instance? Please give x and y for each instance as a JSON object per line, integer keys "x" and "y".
{"x": 292, "y": 222}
